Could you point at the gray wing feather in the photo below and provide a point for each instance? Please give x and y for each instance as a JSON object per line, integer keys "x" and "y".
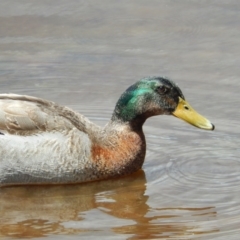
{"x": 26, "y": 115}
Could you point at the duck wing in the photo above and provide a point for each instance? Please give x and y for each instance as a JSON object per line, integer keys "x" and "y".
{"x": 26, "y": 115}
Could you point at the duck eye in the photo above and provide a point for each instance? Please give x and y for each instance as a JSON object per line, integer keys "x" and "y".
{"x": 162, "y": 90}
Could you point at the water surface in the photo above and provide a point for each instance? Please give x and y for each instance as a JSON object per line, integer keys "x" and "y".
{"x": 84, "y": 55}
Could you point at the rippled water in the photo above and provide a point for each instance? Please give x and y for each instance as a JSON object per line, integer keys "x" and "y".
{"x": 84, "y": 55}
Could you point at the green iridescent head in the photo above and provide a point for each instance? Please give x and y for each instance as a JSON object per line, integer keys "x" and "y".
{"x": 154, "y": 96}
{"x": 146, "y": 98}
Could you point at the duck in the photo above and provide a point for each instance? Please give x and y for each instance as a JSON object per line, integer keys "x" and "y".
{"x": 42, "y": 142}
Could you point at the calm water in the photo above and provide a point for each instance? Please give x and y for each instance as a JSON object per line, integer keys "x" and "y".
{"x": 84, "y": 54}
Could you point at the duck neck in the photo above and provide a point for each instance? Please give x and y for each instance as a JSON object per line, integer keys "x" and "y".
{"x": 127, "y": 113}
{"x": 135, "y": 124}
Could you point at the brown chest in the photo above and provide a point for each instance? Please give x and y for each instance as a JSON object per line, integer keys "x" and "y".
{"x": 119, "y": 154}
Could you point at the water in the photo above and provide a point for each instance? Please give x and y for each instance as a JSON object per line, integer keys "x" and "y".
{"x": 84, "y": 55}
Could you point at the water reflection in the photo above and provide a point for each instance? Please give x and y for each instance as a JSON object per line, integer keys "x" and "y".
{"x": 38, "y": 211}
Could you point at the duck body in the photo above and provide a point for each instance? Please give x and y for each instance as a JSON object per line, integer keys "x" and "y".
{"x": 44, "y": 143}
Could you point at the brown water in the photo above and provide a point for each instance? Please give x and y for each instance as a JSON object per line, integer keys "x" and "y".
{"x": 84, "y": 54}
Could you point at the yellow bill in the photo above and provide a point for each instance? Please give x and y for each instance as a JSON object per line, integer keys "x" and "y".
{"x": 185, "y": 112}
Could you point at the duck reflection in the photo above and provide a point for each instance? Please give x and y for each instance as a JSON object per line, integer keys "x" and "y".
{"x": 119, "y": 205}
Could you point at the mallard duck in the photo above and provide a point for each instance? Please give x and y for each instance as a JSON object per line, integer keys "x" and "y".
{"x": 42, "y": 142}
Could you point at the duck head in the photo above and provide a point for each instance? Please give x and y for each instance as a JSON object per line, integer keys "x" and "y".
{"x": 155, "y": 96}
